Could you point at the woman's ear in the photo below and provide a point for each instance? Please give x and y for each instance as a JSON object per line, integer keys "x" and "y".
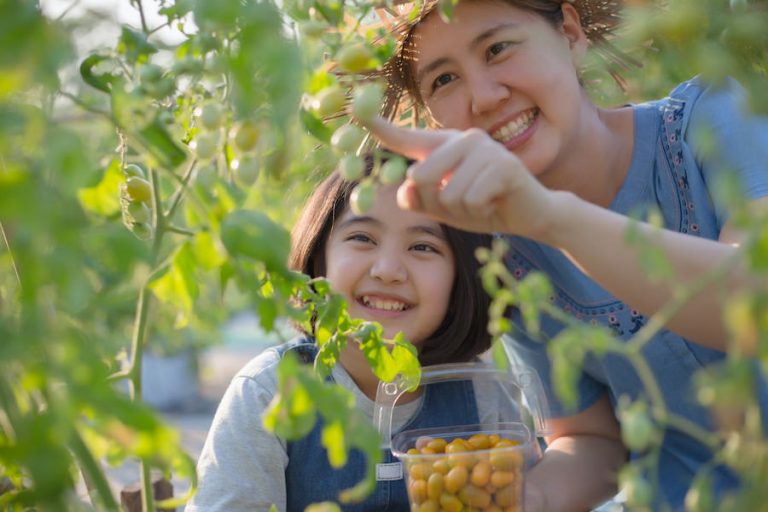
{"x": 573, "y": 31}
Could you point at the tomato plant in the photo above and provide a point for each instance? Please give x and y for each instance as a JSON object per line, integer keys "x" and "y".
{"x": 125, "y": 220}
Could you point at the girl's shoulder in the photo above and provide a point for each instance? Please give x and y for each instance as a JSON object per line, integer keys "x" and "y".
{"x": 265, "y": 364}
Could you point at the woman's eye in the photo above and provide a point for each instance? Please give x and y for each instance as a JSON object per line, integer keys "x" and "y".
{"x": 442, "y": 80}
{"x": 497, "y": 48}
{"x": 424, "y": 248}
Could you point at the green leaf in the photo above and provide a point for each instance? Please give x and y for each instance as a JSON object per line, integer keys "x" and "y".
{"x": 331, "y": 10}
{"x": 102, "y": 82}
{"x": 386, "y": 362}
{"x": 104, "y": 197}
{"x": 178, "y": 286}
{"x": 292, "y": 413}
{"x": 161, "y": 146}
{"x": 332, "y": 437}
{"x": 315, "y": 126}
{"x": 328, "y": 318}
{"x": 207, "y": 254}
{"x": 134, "y": 45}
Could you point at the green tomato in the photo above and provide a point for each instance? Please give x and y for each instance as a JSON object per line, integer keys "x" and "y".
{"x": 247, "y": 171}
{"x": 251, "y": 234}
{"x": 247, "y": 136}
{"x": 142, "y": 231}
{"x": 207, "y": 176}
{"x": 329, "y": 101}
{"x": 133, "y": 170}
{"x": 207, "y": 145}
{"x": 140, "y": 212}
{"x": 138, "y": 189}
{"x": 355, "y": 58}
{"x": 313, "y": 28}
{"x": 150, "y": 74}
{"x": 393, "y": 171}
{"x": 351, "y": 167}
{"x": 187, "y": 66}
{"x": 637, "y": 429}
{"x": 638, "y": 490}
{"x": 211, "y": 116}
{"x": 348, "y": 138}
{"x": 362, "y": 197}
{"x": 367, "y": 102}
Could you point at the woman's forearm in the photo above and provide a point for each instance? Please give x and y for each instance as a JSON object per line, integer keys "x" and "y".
{"x": 595, "y": 239}
{"x": 577, "y": 473}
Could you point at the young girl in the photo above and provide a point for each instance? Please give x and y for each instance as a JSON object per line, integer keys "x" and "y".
{"x": 522, "y": 151}
{"x": 395, "y": 267}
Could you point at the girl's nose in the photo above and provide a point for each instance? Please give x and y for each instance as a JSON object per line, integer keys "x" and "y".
{"x": 388, "y": 267}
{"x": 486, "y": 92}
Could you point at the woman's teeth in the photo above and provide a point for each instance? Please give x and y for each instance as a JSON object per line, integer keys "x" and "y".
{"x": 514, "y": 127}
{"x": 386, "y": 305}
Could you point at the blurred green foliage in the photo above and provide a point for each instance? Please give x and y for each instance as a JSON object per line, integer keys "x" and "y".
{"x": 88, "y": 271}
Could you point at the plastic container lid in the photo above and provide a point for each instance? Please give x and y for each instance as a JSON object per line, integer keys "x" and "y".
{"x": 518, "y": 386}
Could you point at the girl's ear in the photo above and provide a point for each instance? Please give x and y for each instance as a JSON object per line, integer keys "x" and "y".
{"x": 573, "y": 31}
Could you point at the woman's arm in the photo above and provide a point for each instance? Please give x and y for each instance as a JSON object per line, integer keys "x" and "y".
{"x": 595, "y": 240}
{"x": 468, "y": 180}
{"x": 580, "y": 466}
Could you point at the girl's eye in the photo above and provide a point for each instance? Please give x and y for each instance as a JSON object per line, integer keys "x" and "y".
{"x": 442, "y": 80}
{"x": 497, "y": 48}
{"x": 359, "y": 237}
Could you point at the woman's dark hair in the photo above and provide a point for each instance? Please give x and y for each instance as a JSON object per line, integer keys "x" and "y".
{"x": 599, "y": 19}
{"x": 463, "y": 334}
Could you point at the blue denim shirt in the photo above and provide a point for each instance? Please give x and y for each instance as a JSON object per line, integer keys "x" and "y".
{"x": 310, "y": 478}
{"x": 672, "y": 173}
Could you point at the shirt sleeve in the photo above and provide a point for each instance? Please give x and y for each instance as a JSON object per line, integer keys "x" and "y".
{"x": 728, "y": 140}
{"x": 242, "y": 466}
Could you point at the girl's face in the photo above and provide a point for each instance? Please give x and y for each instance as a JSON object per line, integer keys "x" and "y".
{"x": 393, "y": 266}
{"x": 506, "y": 71}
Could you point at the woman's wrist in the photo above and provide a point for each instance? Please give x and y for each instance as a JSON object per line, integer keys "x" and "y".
{"x": 559, "y": 221}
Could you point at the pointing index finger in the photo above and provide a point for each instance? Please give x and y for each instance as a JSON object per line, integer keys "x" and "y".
{"x": 411, "y": 142}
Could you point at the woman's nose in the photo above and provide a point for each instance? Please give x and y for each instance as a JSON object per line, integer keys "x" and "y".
{"x": 388, "y": 267}
{"x": 486, "y": 92}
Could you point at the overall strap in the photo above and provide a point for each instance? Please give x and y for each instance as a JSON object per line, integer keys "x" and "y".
{"x": 673, "y": 126}
{"x": 302, "y": 346}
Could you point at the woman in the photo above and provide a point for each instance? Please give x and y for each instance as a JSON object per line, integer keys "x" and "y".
{"x": 521, "y": 150}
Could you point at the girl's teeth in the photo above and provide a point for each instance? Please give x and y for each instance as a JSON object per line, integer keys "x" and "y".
{"x": 386, "y": 305}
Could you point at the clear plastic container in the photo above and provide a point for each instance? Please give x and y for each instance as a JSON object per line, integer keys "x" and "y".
{"x": 479, "y": 466}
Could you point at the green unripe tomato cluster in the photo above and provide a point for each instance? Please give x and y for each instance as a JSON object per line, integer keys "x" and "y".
{"x": 211, "y": 116}
{"x": 366, "y": 102}
{"x": 136, "y": 200}
{"x": 393, "y": 171}
{"x": 247, "y": 171}
{"x": 206, "y": 145}
{"x": 362, "y": 197}
{"x": 329, "y": 101}
{"x": 351, "y": 167}
{"x": 348, "y": 138}
{"x": 355, "y": 58}
{"x": 246, "y": 136}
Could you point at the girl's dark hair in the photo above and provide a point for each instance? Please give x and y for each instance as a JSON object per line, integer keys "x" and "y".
{"x": 463, "y": 334}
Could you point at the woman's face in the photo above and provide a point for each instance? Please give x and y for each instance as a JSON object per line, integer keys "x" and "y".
{"x": 393, "y": 266}
{"x": 506, "y": 71}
